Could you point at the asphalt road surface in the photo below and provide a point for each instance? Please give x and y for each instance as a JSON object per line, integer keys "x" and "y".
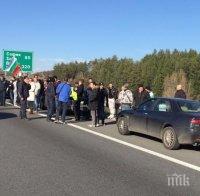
{"x": 41, "y": 158}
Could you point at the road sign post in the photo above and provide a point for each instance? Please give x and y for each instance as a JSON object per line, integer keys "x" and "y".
{"x": 12, "y": 59}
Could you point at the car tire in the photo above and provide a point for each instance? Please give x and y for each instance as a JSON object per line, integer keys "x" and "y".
{"x": 122, "y": 125}
{"x": 170, "y": 139}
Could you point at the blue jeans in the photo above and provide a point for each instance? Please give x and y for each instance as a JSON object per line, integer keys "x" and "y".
{"x": 37, "y": 102}
{"x": 125, "y": 107}
{"x": 23, "y": 106}
{"x": 62, "y": 106}
{"x": 50, "y": 108}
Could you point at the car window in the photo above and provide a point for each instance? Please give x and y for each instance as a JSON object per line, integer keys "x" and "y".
{"x": 163, "y": 106}
{"x": 189, "y": 106}
{"x": 147, "y": 106}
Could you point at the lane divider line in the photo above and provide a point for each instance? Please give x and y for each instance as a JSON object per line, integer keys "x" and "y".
{"x": 151, "y": 152}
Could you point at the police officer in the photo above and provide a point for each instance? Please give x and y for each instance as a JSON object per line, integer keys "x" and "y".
{"x": 23, "y": 92}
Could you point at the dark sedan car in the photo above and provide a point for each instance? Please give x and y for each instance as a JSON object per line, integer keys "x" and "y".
{"x": 174, "y": 121}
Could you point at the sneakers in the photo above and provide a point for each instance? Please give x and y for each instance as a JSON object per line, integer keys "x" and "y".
{"x": 97, "y": 125}
{"x": 91, "y": 125}
{"x": 60, "y": 122}
{"x": 111, "y": 117}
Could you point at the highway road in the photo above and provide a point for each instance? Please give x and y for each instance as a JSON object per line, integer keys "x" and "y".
{"x": 41, "y": 158}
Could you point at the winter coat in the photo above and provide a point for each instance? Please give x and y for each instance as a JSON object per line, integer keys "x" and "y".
{"x": 32, "y": 92}
{"x": 112, "y": 93}
{"x": 102, "y": 95}
{"x": 63, "y": 91}
{"x": 93, "y": 99}
{"x": 3, "y": 85}
{"x": 50, "y": 91}
{"x": 37, "y": 88}
{"x": 125, "y": 97}
{"x": 141, "y": 97}
{"x": 80, "y": 92}
{"x": 180, "y": 94}
{"x": 23, "y": 90}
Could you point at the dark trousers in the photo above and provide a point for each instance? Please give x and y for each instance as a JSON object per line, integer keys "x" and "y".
{"x": 11, "y": 96}
{"x": 101, "y": 113}
{"x": 3, "y": 98}
{"x": 77, "y": 111}
{"x": 23, "y": 106}
{"x": 62, "y": 106}
{"x": 50, "y": 108}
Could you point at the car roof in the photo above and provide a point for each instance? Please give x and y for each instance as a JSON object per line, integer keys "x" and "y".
{"x": 174, "y": 99}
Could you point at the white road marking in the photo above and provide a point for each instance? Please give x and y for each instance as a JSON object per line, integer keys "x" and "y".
{"x": 168, "y": 158}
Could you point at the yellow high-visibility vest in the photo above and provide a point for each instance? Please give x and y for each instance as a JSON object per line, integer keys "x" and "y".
{"x": 74, "y": 94}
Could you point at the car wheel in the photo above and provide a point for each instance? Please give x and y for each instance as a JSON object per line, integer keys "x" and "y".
{"x": 123, "y": 126}
{"x": 170, "y": 139}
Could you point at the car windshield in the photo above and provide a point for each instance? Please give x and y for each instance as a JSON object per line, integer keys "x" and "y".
{"x": 189, "y": 106}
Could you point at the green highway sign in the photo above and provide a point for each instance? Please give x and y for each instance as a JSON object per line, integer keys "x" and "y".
{"x": 12, "y": 59}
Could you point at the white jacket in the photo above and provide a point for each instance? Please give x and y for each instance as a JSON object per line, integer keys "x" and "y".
{"x": 32, "y": 92}
{"x": 125, "y": 97}
{"x": 37, "y": 88}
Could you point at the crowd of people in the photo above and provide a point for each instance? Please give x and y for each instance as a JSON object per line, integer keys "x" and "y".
{"x": 87, "y": 100}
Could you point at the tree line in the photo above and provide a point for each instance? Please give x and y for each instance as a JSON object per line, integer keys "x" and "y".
{"x": 162, "y": 70}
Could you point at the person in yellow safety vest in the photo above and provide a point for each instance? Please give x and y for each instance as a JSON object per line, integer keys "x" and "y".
{"x": 74, "y": 94}
{"x": 74, "y": 97}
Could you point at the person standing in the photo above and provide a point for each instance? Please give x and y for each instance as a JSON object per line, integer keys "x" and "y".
{"x": 125, "y": 98}
{"x": 32, "y": 97}
{"x": 80, "y": 94}
{"x": 141, "y": 95}
{"x": 63, "y": 92}
{"x": 15, "y": 92}
{"x": 10, "y": 90}
{"x": 180, "y": 93}
{"x": 56, "y": 83}
{"x": 50, "y": 98}
{"x": 93, "y": 104}
{"x": 112, "y": 96}
{"x": 102, "y": 98}
{"x": 3, "y": 87}
{"x": 37, "y": 92}
{"x": 75, "y": 101}
{"x": 23, "y": 92}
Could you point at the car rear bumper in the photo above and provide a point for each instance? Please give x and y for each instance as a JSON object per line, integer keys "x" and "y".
{"x": 189, "y": 138}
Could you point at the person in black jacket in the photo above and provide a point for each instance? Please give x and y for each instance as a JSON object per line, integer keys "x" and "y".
{"x": 50, "y": 95}
{"x": 102, "y": 97}
{"x": 93, "y": 104}
{"x": 79, "y": 88}
{"x": 23, "y": 92}
{"x": 180, "y": 93}
{"x": 140, "y": 95}
{"x": 3, "y": 87}
{"x": 10, "y": 90}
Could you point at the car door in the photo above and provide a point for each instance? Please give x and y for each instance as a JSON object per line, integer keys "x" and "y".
{"x": 161, "y": 114}
{"x": 138, "y": 121}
